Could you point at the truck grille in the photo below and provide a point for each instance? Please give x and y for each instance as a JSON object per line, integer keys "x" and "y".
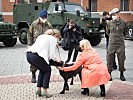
{"x": 5, "y": 27}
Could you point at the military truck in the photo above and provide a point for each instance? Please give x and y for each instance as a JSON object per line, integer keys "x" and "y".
{"x": 129, "y": 33}
{"x": 58, "y": 14}
{"x": 8, "y": 33}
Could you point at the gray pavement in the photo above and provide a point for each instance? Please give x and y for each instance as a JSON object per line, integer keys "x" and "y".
{"x": 15, "y": 77}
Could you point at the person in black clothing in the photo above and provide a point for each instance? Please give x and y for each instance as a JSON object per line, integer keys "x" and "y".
{"x": 73, "y": 32}
{"x": 106, "y": 18}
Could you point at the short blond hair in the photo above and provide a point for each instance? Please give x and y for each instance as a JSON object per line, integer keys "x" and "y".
{"x": 86, "y": 44}
{"x": 52, "y": 32}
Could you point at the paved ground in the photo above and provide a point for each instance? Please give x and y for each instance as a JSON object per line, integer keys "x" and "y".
{"x": 15, "y": 78}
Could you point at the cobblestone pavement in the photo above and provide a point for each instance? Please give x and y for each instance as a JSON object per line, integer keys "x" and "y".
{"x": 19, "y": 88}
{"x": 15, "y": 78}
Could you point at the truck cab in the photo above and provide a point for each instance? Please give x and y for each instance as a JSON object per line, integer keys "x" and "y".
{"x": 58, "y": 14}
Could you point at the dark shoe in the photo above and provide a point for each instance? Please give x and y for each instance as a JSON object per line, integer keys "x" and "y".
{"x": 122, "y": 76}
{"x": 102, "y": 87}
{"x": 85, "y": 91}
{"x": 38, "y": 93}
{"x": 47, "y": 95}
{"x": 110, "y": 76}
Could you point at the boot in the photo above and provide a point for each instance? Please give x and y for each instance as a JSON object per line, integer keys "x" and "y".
{"x": 102, "y": 87}
{"x": 110, "y": 76}
{"x": 85, "y": 91}
{"x": 122, "y": 76}
{"x": 33, "y": 79}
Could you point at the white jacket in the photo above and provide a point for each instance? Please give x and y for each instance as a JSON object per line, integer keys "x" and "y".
{"x": 45, "y": 47}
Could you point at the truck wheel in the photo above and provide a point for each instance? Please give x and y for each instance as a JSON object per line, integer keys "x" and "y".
{"x": 95, "y": 40}
{"x": 23, "y": 35}
{"x": 10, "y": 42}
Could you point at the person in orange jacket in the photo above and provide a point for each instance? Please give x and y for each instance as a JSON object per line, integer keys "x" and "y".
{"x": 94, "y": 70}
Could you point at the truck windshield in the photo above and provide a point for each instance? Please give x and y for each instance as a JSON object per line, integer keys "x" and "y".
{"x": 74, "y": 8}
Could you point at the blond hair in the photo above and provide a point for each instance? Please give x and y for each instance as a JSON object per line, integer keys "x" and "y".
{"x": 86, "y": 45}
{"x": 52, "y": 32}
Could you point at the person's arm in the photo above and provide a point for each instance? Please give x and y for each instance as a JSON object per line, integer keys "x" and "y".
{"x": 79, "y": 32}
{"x": 78, "y": 63}
{"x": 66, "y": 28}
{"x": 30, "y": 35}
{"x": 108, "y": 28}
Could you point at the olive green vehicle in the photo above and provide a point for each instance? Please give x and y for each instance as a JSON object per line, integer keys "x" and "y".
{"x": 58, "y": 14}
{"x": 8, "y": 33}
{"x": 129, "y": 33}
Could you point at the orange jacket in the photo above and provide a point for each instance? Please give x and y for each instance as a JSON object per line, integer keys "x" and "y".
{"x": 94, "y": 71}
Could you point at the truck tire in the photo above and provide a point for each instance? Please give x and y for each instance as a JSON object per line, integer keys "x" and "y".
{"x": 10, "y": 42}
{"x": 95, "y": 40}
{"x": 23, "y": 35}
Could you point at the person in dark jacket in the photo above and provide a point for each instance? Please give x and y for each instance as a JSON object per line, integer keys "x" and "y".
{"x": 73, "y": 32}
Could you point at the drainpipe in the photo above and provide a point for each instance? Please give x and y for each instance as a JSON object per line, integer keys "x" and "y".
{"x": 81, "y": 2}
{"x": 0, "y": 6}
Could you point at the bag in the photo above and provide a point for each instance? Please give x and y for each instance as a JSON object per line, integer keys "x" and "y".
{"x": 55, "y": 63}
{"x": 67, "y": 44}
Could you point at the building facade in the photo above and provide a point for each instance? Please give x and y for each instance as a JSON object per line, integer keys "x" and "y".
{"x": 97, "y": 6}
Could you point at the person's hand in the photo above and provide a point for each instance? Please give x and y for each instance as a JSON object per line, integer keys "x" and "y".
{"x": 70, "y": 27}
{"x": 60, "y": 68}
{"x": 74, "y": 29}
{"x": 58, "y": 60}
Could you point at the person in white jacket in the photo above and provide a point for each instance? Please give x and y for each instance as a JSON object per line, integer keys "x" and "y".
{"x": 39, "y": 55}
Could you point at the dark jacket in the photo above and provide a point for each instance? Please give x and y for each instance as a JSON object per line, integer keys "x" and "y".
{"x": 103, "y": 25}
{"x": 70, "y": 34}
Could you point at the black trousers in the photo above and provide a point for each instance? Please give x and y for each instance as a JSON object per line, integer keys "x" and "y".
{"x": 70, "y": 54}
{"x": 44, "y": 69}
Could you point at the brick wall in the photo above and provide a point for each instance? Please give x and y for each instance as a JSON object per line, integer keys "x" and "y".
{"x": 7, "y": 10}
{"x": 127, "y": 17}
{"x": 102, "y": 5}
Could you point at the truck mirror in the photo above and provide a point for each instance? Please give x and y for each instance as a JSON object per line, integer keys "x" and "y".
{"x": 78, "y": 13}
{"x": 56, "y": 7}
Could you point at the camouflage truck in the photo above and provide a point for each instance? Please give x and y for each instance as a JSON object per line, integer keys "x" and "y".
{"x": 58, "y": 14}
{"x": 8, "y": 33}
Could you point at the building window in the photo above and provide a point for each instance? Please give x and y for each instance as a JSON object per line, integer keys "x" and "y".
{"x": 124, "y": 5}
{"x": 94, "y": 5}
